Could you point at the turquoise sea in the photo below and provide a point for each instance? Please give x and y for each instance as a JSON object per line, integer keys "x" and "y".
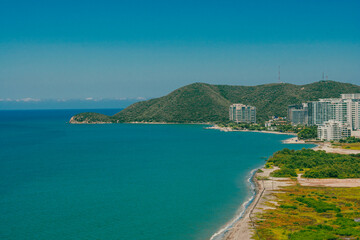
{"x": 121, "y": 181}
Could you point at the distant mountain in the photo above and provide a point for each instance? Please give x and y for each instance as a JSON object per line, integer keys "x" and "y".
{"x": 201, "y": 102}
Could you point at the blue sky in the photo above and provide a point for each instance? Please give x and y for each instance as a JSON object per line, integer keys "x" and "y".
{"x": 130, "y": 49}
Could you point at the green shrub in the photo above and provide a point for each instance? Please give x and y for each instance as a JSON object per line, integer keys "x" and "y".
{"x": 284, "y": 172}
{"x": 308, "y": 133}
{"x": 346, "y": 222}
{"x": 319, "y": 205}
{"x": 312, "y": 235}
{"x": 288, "y": 206}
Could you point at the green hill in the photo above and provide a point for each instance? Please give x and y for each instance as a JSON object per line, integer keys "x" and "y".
{"x": 90, "y": 117}
{"x": 200, "y": 102}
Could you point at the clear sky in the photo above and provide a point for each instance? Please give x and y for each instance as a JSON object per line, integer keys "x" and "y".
{"x": 130, "y": 49}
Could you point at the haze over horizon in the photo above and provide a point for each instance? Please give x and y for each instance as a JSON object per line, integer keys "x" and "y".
{"x": 131, "y": 49}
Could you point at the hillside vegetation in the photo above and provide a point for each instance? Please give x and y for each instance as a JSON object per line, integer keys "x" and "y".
{"x": 90, "y": 117}
{"x": 200, "y": 102}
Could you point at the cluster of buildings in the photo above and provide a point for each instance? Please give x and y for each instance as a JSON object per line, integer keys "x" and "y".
{"x": 336, "y": 118}
{"x": 275, "y": 122}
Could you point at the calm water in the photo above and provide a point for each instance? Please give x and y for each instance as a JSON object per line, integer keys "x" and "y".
{"x": 62, "y": 181}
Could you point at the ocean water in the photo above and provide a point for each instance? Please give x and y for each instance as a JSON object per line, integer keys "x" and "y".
{"x": 121, "y": 181}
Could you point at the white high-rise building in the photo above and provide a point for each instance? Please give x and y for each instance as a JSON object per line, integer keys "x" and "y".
{"x": 332, "y": 114}
{"x": 343, "y": 110}
{"x": 350, "y": 96}
{"x": 333, "y": 130}
{"x": 319, "y": 111}
{"x": 297, "y": 114}
{"x": 242, "y": 113}
{"x": 353, "y": 113}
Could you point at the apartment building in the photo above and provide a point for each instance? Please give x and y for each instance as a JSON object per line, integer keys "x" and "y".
{"x": 241, "y": 113}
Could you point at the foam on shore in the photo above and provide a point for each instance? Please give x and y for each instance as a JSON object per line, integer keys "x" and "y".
{"x": 221, "y": 233}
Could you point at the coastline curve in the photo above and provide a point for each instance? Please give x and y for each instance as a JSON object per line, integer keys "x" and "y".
{"x": 219, "y": 235}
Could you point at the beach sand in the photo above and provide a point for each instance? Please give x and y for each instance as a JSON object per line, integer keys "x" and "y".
{"x": 294, "y": 140}
{"x": 228, "y": 129}
{"x": 328, "y": 182}
{"x": 244, "y": 228}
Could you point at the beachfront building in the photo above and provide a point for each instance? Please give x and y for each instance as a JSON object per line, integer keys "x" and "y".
{"x": 299, "y": 117}
{"x": 242, "y": 113}
{"x": 333, "y": 130}
{"x": 319, "y": 111}
{"x": 298, "y": 114}
{"x": 335, "y": 117}
{"x": 343, "y": 110}
{"x": 352, "y": 110}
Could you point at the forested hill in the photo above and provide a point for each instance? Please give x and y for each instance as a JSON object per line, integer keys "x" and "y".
{"x": 201, "y": 102}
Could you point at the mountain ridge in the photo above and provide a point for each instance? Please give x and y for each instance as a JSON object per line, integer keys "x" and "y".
{"x": 204, "y": 103}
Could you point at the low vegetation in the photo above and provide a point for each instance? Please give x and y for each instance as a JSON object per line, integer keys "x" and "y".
{"x": 284, "y": 172}
{"x": 350, "y": 140}
{"x": 262, "y": 178}
{"x": 315, "y": 164}
{"x": 311, "y": 213}
{"x": 351, "y": 146}
{"x": 352, "y": 143}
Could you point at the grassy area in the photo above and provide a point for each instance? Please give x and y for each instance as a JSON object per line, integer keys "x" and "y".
{"x": 312, "y": 213}
{"x": 353, "y": 146}
{"x": 348, "y": 143}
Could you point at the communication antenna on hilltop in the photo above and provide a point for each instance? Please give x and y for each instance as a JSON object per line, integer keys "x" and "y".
{"x": 323, "y": 76}
{"x": 279, "y": 75}
{"x": 326, "y": 77}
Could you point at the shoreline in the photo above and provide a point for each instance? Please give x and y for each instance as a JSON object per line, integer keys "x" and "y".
{"x": 244, "y": 228}
{"x": 240, "y": 223}
{"x": 73, "y": 121}
{"x": 227, "y": 129}
{"x": 244, "y": 208}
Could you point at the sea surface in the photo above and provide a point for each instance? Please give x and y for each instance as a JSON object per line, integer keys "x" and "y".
{"x": 122, "y": 181}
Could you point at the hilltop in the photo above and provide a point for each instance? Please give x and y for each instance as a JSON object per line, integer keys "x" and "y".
{"x": 201, "y": 102}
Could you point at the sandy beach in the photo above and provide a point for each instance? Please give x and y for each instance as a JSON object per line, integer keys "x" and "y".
{"x": 294, "y": 140}
{"x": 228, "y": 129}
{"x": 244, "y": 228}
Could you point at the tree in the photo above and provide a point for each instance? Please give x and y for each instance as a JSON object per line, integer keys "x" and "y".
{"x": 308, "y": 133}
